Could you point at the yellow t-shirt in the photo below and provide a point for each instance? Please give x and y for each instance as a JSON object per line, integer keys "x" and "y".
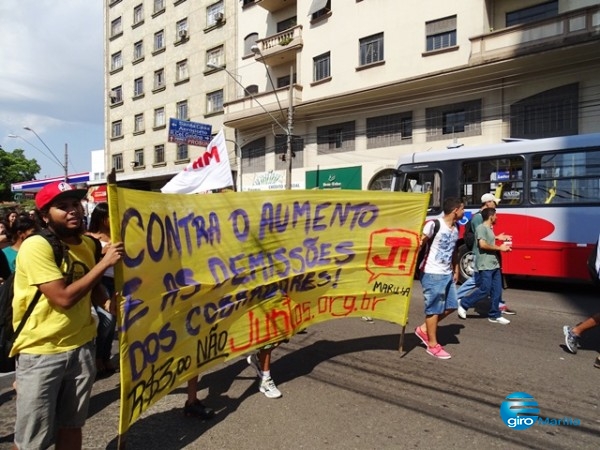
{"x": 51, "y": 329}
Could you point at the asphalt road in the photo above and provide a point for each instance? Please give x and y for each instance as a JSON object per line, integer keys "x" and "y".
{"x": 346, "y": 386}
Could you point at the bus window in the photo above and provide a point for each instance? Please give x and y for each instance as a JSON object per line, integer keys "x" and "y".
{"x": 428, "y": 181}
{"x": 502, "y": 177}
{"x": 563, "y": 178}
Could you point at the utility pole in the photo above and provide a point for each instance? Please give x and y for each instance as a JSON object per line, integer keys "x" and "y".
{"x": 66, "y": 165}
{"x": 290, "y": 125}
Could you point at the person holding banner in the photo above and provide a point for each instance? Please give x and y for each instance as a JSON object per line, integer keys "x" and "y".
{"x": 440, "y": 275}
{"x": 55, "y": 354}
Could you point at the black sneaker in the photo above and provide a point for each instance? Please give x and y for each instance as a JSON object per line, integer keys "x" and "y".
{"x": 197, "y": 409}
{"x": 597, "y": 362}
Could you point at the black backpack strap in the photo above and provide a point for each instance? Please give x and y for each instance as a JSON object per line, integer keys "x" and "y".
{"x": 57, "y": 246}
{"x": 30, "y": 309}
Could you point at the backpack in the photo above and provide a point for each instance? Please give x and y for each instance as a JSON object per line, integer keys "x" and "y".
{"x": 469, "y": 236}
{"x": 7, "y": 334}
{"x": 424, "y": 251}
{"x": 591, "y": 265}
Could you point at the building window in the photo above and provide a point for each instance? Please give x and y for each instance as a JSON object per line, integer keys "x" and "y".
{"x": 116, "y": 27}
{"x": 371, "y": 49}
{"x": 249, "y": 42}
{"x": 116, "y": 95}
{"x": 159, "y": 154}
{"x": 181, "y": 29}
{"x": 215, "y": 56}
{"x": 117, "y": 161}
{"x": 182, "y": 152}
{"x": 116, "y": 61}
{"x": 214, "y": 101}
{"x": 547, "y": 114}
{"x": 440, "y": 33}
{"x": 138, "y": 50}
{"x": 182, "y": 70}
{"x": 138, "y": 86}
{"x": 214, "y": 14}
{"x": 335, "y": 138}
{"x": 389, "y": 130}
{"x": 286, "y": 24}
{"x": 281, "y": 152}
{"x": 532, "y": 13}
{"x": 138, "y": 14}
{"x": 159, "y": 117}
{"x": 138, "y": 125}
{"x": 117, "y": 129}
{"x": 284, "y": 81}
{"x": 319, "y": 8}
{"x": 159, "y": 40}
{"x": 182, "y": 110}
{"x": 159, "y": 5}
{"x": 159, "y": 79}
{"x": 321, "y": 66}
{"x": 138, "y": 158}
{"x": 462, "y": 119}
{"x": 253, "y": 156}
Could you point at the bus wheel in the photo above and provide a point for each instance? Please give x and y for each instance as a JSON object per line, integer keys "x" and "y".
{"x": 466, "y": 259}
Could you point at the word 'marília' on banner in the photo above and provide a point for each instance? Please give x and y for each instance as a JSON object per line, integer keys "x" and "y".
{"x": 207, "y": 278}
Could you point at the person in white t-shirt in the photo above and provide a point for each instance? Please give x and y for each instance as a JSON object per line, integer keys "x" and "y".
{"x": 440, "y": 274}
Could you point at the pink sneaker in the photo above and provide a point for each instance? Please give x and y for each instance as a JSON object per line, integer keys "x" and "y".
{"x": 423, "y": 336}
{"x": 439, "y": 352}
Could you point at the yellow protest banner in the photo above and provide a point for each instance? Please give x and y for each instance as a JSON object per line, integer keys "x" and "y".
{"x": 208, "y": 278}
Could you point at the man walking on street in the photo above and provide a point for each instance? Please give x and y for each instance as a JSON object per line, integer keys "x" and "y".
{"x": 488, "y": 265}
{"x": 440, "y": 273}
{"x": 487, "y": 201}
{"x": 55, "y": 354}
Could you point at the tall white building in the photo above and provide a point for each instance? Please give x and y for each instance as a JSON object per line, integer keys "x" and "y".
{"x": 156, "y": 55}
{"x": 367, "y": 81}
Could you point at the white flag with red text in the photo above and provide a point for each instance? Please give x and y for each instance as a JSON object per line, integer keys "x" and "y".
{"x": 211, "y": 170}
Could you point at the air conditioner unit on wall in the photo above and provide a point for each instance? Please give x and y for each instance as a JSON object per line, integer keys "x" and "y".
{"x": 113, "y": 96}
{"x": 219, "y": 17}
{"x": 182, "y": 34}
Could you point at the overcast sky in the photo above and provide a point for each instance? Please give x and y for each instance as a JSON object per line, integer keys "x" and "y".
{"x": 51, "y": 80}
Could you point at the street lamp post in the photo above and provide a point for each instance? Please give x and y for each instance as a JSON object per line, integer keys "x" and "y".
{"x": 64, "y": 165}
{"x": 290, "y": 117}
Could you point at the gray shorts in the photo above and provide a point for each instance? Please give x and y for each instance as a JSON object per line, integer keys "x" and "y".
{"x": 53, "y": 392}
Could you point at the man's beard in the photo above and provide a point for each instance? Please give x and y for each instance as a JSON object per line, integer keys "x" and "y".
{"x": 62, "y": 231}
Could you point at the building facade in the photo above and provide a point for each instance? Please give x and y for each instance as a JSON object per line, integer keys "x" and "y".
{"x": 329, "y": 93}
{"x": 156, "y": 56}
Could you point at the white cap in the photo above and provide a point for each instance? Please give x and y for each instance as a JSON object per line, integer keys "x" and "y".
{"x": 489, "y": 198}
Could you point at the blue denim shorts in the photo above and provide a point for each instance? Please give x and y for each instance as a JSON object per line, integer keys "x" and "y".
{"x": 439, "y": 292}
{"x": 53, "y": 391}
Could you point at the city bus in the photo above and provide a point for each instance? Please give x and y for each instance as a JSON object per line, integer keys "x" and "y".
{"x": 549, "y": 191}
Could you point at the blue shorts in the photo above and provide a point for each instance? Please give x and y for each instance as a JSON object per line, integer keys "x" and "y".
{"x": 53, "y": 391}
{"x": 439, "y": 292}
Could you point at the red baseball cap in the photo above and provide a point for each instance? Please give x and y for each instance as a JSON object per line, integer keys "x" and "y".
{"x": 55, "y": 191}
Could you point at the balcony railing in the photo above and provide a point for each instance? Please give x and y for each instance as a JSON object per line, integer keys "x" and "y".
{"x": 281, "y": 47}
{"x": 570, "y": 28}
{"x": 248, "y": 108}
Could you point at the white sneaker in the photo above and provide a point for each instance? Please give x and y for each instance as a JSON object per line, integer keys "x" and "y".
{"x": 267, "y": 387}
{"x": 501, "y": 320}
{"x": 462, "y": 312}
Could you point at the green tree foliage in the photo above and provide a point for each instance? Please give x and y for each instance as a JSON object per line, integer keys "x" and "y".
{"x": 14, "y": 168}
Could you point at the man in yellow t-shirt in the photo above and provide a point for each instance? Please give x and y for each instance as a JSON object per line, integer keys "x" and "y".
{"x": 55, "y": 350}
